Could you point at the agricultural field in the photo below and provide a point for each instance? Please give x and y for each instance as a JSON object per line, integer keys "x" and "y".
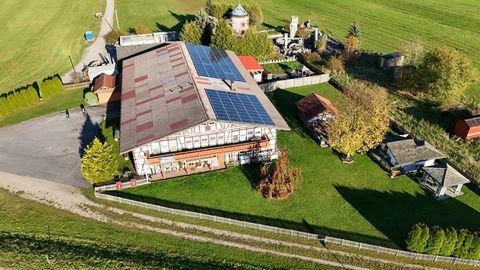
{"x": 38, "y": 36}
{"x": 385, "y": 25}
{"x": 357, "y": 201}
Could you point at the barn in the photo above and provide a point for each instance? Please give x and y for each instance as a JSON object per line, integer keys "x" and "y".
{"x": 189, "y": 109}
{"x": 468, "y": 128}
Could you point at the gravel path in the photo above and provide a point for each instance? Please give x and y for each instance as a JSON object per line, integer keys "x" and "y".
{"x": 98, "y": 46}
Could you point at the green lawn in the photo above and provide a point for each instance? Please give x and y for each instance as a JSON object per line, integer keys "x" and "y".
{"x": 30, "y": 231}
{"x": 68, "y": 99}
{"x": 281, "y": 68}
{"x": 38, "y": 36}
{"x": 357, "y": 201}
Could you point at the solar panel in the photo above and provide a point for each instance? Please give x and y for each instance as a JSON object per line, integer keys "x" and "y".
{"x": 213, "y": 63}
{"x": 236, "y": 107}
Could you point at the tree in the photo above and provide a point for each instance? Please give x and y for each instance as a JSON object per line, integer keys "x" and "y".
{"x": 321, "y": 45}
{"x": 413, "y": 52}
{"x": 99, "y": 164}
{"x": 450, "y": 241}
{"x": 192, "y": 33}
{"x": 209, "y": 7}
{"x": 255, "y": 14}
{"x": 207, "y": 24}
{"x": 361, "y": 122}
{"x": 351, "y": 44}
{"x": 436, "y": 241}
{"x": 335, "y": 65}
{"x": 223, "y": 37}
{"x": 462, "y": 236}
{"x": 113, "y": 36}
{"x": 445, "y": 73}
{"x": 303, "y": 33}
{"x": 354, "y": 31}
{"x": 418, "y": 237}
{"x": 278, "y": 180}
{"x": 475, "y": 248}
{"x": 141, "y": 28}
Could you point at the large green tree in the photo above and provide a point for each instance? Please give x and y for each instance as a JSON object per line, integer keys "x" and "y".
{"x": 362, "y": 120}
{"x": 223, "y": 37}
{"x": 418, "y": 237}
{"x": 444, "y": 74}
{"x": 99, "y": 163}
{"x": 192, "y": 33}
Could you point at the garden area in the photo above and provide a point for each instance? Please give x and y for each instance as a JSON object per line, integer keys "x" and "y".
{"x": 284, "y": 68}
{"x": 357, "y": 201}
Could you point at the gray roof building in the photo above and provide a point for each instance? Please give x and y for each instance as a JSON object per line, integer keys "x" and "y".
{"x": 410, "y": 151}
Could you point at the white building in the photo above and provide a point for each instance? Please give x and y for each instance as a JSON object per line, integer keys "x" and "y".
{"x": 240, "y": 20}
{"x": 189, "y": 108}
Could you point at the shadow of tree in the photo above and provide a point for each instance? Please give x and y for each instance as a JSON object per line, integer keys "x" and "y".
{"x": 252, "y": 173}
{"x": 181, "y": 20}
{"x": 89, "y": 131}
{"x": 394, "y": 213}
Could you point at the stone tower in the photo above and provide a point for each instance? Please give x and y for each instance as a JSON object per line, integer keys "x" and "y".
{"x": 240, "y": 20}
{"x": 293, "y": 26}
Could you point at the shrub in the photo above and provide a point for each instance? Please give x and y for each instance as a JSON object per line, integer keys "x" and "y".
{"x": 449, "y": 243}
{"x": 335, "y": 65}
{"x": 91, "y": 98}
{"x": 113, "y": 36}
{"x": 418, "y": 237}
{"x": 99, "y": 164}
{"x": 465, "y": 240}
{"x": 475, "y": 248}
{"x": 436, "y": 241}
{"x": 278, "y": 181}
{"x": 312, "y": 58}
{"x": 303, "y": 33}
{"x": 51, "y": 86}
{"x": 321, "y": 45}
{"x": 141, "y": 28}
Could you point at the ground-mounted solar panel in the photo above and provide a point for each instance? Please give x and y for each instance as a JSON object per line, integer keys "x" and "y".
{"x": 237, "y": 107}
{"x": 213, "y": 63}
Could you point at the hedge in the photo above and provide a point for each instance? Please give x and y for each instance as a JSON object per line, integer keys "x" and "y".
{"x": 29, "y": 95}
{"x": 447, "y": 242}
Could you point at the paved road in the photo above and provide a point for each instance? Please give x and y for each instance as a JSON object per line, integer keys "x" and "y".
{"x": 98, "y": 46}
{"x": 49, "y": 147}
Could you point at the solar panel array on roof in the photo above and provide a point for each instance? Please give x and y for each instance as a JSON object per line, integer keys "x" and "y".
{"x": 213, "y": 63}
{"x": 236, "y": 107}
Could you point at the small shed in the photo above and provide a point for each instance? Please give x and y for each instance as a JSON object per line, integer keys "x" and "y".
{"x": 407, "y": 154}
{"x": 468, "y": 128}
{"x": 303, "y": 70}
{"x": 252, "y": 66}
{"x": 89, "y": 36}
{"x": 443, "y": 181}
{"x": 391, "y": 60}
{"x": 315, "y": 111}
{"x": 104, "y": 88}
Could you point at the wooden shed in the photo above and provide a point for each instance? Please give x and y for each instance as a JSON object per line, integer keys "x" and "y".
{"x": 468, "y": 128}
{"x": 104, "y": 88}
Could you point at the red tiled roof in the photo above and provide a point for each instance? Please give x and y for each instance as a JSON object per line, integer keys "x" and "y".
{"x": 473, "y": 122}
{"x": 250, "y": 63}
{"x": 104, "y": 80}
{"x": 313, "y": 105}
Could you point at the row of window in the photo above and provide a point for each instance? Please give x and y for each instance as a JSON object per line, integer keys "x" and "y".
{"x": 204, "y": 141}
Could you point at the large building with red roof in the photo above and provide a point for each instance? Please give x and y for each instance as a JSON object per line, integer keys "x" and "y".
{"x": 188, "y": 108}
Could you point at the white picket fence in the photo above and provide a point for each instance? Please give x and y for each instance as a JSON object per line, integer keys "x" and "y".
{"x": 325, "y": 239}
{"x": 288, "y": 59}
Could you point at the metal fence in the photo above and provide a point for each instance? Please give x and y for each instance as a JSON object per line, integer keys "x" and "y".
{"x": 325, "y": 239}
{"x": 288, "y": 83}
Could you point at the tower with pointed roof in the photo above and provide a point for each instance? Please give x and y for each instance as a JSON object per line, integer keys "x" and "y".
{"x": 240, "y": 20}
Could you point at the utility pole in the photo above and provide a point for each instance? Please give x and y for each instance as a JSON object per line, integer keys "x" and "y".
{"x": 116, "y": 19}
{"x": 109, "y": 24}
{"x": 73, "y": 67}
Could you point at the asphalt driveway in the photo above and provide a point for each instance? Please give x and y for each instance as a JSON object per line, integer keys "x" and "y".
{"x": 49, "y": 147}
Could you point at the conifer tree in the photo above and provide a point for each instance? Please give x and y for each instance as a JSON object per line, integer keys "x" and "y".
{"x": 223, "y": 37}
{"x": 191, "y": 33}
{"x": 450, "y": 241}
{"x": 99, "y": 164}
{"x": 436, "y": 241}
{"x": 418, "y": 237}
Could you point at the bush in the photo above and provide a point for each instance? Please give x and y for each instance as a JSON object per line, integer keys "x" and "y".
{"x": 449, "y": 243}
{"x": 99, "y": 164}
{"x": 436, "y": 241}
{"x": 278, "y": 181}
{"x": 51, "y": 86}
{"x": 303, "y": 33}
{"x": 18, "y": 99}
{"x": 418, "y": 237}
{"x": 113, "y": 36}
{"x": 90, "y": 98}
{"x": 141, "y": 29}
{"x": 335, "y": 65}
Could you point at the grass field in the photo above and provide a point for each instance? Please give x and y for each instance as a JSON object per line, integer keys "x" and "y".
{"x": 385, "y": 24}
{"x": 30, "y": 231}
{"x": 357, "y": 201}
{"x": 68, "y": 99}
{"x": 38, "y": 36}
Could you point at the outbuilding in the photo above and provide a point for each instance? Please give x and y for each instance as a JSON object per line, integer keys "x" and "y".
{"x": 252, "y": 66}
{"x": 443, "y": 180}
{"x": 468, "y": 128}
{"x": 104, "y": 88}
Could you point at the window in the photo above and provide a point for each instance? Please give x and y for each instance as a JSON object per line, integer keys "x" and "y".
{"x": 172, "y": 145}
{"x": 204, "y": 141}
{"x": 188, "y": 143}
{"x": 213, "y": 140}
{"x": 164, "y": 146}
{"x": 196, "y": 142}
{"x": 155, "y": 148}
{"x": 220, "y": 139}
